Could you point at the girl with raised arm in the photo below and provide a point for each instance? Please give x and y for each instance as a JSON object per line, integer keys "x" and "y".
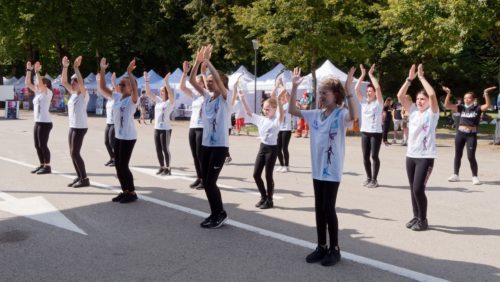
{"x": 43, "y": 122}
{"x": 163, "y": 128}
{"x": 124, "y": 107}
{"x": 77, "y": 116}
{"x": 268, "y": 128}
{"x": 215, "y": 144}
{"x": 421, "y": 151}
{"x": 238, "y": 108}
{"x": 328, "y": 130}
{"x": 371, "y": 125}
{"x": 285, "y": 133}
{"x": 195, "y": 122}
{"x": 109, "y": 132}
{"x": 470, "y": 116}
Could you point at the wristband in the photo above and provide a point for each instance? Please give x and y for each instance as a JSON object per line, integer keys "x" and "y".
{"x": 28, "y": 70}
{"x": 409, "y": 80}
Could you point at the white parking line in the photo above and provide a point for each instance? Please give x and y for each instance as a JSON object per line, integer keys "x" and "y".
{"x": 282, "y": 237}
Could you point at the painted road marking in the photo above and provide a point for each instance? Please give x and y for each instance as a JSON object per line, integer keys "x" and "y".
{"x": 282, "y": 237}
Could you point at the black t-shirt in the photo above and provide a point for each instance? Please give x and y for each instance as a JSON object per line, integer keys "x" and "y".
{"x": 387, "y": 111}
{"x": 469, "y": 116}
{"x": 397, "y": 110}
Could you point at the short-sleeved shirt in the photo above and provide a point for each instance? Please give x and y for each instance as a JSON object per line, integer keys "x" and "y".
{"x": 371, "y": 117}
{"x": 216, "y": 119}
{"x": 397, "y": 111}
{"x": 469, "y": 116}
{"x": 77, "y": 110}
{"x": 268, "y": 128}
{"x": 41, "y": 106}
{"x": 387, "y": 111}
{"x": 123, "y": 114}
{"x": 422, "y": 133}
{"x": 196, "y": 120}
{"x": 327, "y": 143}
{"x": 163, "y": 109}
{"x": 286, "y": 125}
{"x": 109, "y": 107}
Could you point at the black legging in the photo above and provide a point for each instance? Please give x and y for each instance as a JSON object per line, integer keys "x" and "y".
{"x": 195, "y": 139}
{"x": 212, "y": 161}
{"x": 75, "y": 139}
{"x": 325, "y": 196}
{"x": 41, "y": 133}
{"x": 283, "y": 141}
{"x": 109, "y": 139}
{"x": 385, "y": 128}
{"x": 462, "y": 138}
{"x": 419, "y": 171}
{"x": 370, "y": 143}
{"x": 162, "y": 144}
{"x": 123, "y": 152}
{"x": 266, "y": 157}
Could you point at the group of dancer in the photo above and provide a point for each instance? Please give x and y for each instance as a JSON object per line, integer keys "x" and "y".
{"x": 209, "y": 135}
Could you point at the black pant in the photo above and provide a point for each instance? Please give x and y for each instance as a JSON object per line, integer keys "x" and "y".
{"x": 385, "y": 128}
{"x": 462, "y": 138}
{"x": 195, "y": 139}
{"x": 109, "y": 140}
{"x": 75, "y": 139}
{"x": 325, "y": 196}
{"x": 370, "y": 143}
{"x": 283, "y": 141}
{"x": 266, "y": 157}
{"x": 123, "y": 152}
{"x": 162, "y": 144}
{"x": 419, "y": 170}
{"x": 41, "y": 133}
{"x": 212, "y": 161}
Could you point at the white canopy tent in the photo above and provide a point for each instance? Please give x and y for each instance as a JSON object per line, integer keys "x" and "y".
{"x": 9, "y": 81}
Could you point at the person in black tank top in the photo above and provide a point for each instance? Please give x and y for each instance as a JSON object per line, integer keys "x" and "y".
{"x": 470, "y": 115}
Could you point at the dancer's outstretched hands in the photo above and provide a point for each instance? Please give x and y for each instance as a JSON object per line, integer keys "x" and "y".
{"x": 131, "y": 66}
{"x": 446, "y": 89}
{"x": 296, "y": 78}
{"x": 199, "y": 54}
{"x": 420, "y": 71}
{"x": 166, "y": 78}
{"x": 78, "y": 62}
{"x": 412, "y": 73}
{"x": 65, "y": 62}
{"x": 103, "y": 64}
{"x": 372, "y": 70}
{"x": 185, "y": 67}
{"x": 362, "y": 69}
{"x": 29, "y": 66}
{"x": 350, "y": 77}
{"x": 489, "y": 89}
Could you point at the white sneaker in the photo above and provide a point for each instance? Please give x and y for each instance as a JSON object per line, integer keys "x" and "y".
{"x": 285, "y": 169}
{"x": 475, "y": 180}
{"x": 278, "y": 169}
{"x": 454, "y": 178}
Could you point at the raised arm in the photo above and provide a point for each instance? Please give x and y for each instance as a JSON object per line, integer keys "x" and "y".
{"x": 353, "y": 112}
{"x": 148, "y": 88}
{"x": 27, "y": 79}
{"x": 214, "y": 72}
{"x": 133, "y": 82}
{"x": 280, "y": 105}
{"x": 378, "y": 90}
{"x": 278, "y": 83}
{"x": 194, "y": 70}
{"x": 64, "y": 74}
{"x": 296, "y": 80}
{"x": 487, "y": 99}
{"x": 183, "y": 87}
{"x": 105, "y": 91}
{"x": 447, "y": 101}
{"x": 235, "y": 90}
{"x": 170, "y": 91}
{"x": 428, "y": 88}
{"x": 404, "y": 89}
{"x": 243, "y": 100}
{"x": 113, "y": 81}
{"x": 79, "y": 77}
{"x": 361, "y": 78}
{"x": 38, "y": 77}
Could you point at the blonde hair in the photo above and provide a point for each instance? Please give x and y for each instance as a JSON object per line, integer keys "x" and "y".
{"x": 272, "y": 102}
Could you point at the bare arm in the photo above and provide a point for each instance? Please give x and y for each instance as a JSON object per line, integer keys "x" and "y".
{"x": 105, "y": 91}
{"x": 113, "y": 81}
{"x": 243, "y": 100}
{"x": 235, "y": 90}
{"x": 378, "y": 90}
{"x": 194, "y": 70}
{"x": 357, "y": 88}
{"x": 447, "y": 101}
{"x": 64, "y": 74}
{"x": 276, "y": 86}
{"x": 148, "y": 88}
{"x": 428, "y": 88}
{"x": 27, "y": 79}
{"x": 183, "y": 87}
{"x": 170, "y": 91}
{"x": 404, "y": 89}
{"x": 133, "y": 82}
{"x": 79, "y": 77}
{"x": 280, "y": 106}
{"x": 296, "y": 80}
{"x": 486, "y": 95}
{"x": 38, "y": 77}
{"x": 353, "y": 112}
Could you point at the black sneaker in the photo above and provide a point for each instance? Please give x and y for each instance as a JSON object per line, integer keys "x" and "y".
{"x": 412, "y": 222}
{"x": 259, "y": 203}
{"x": 160, "y": 171}
{"x": 112, "y": 163}
{"x": 37, "y": 169}
{"x": 205, "y": 223}
{"x": 217, "y": 220}
{"x": 73, "y": 182}
{"x": 200, "y": 186}
{"x": 268, "y": 204}
{"x": 372, "y": 184}
{"x": 228, "y": 160}
{"x": 44, "y": 170}
{"x": 195, "y": 183}
{"x": 128, "y": 198}
{"x": 118, "y": 198}
{"x": 82, "y": 183}
{"x": 166, "y": 171}
{"x": 317, "y": 255}
{"x": 109, "y": 162}
{"x": 332, "y": 257}
{"x": 420, "y": 225}
{"x": 367, "y": 181}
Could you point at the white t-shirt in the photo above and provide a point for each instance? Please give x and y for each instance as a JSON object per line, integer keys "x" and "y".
{"x": 239, "y": 110}
{"x": 77, "y": 110}
{"x": 41, "y": 106}
{"x": 327, "y": 143}
{"x": 268, "y": 128}
{"x": 371, "y": 117}
{"x": 123, "y": 114}
{"x": 109, "y": 107}
{"x": 196, "y": 120}
{"x": 215, "y": 122}
{"x": 422, "y": 133}
{"x": 163, "y": 109}
{"x": 286, "y": 125}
